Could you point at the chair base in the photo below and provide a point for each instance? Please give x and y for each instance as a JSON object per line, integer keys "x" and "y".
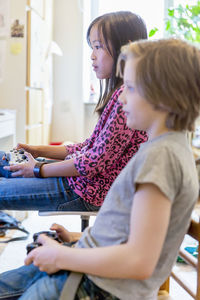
{"x": 84, "y": 215}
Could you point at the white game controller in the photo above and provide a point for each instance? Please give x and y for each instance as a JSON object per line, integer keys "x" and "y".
{"x": 16, "y": 157}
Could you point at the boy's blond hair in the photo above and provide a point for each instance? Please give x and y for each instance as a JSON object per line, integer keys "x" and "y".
{"x": 167, "y": 76}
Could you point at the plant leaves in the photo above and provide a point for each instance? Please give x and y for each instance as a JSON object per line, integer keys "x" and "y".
{"x": 153, "y": 32}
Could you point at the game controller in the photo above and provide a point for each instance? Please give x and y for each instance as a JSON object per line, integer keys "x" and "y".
{"x": 15, "y": 156}
{"x": 32, "y": 246}
{"x": 35, "y": 244}
{"x": 51, "y": 234}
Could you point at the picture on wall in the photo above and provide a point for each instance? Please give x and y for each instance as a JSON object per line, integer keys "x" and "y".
{"x": 17, "y": 29}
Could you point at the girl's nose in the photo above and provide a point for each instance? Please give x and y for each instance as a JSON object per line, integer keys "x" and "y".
{"x": 92, "y": 56}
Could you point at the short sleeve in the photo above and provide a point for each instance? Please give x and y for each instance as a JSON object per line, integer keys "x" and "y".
{"x": 161, "y": 168}
{"x": 73, "y": 148}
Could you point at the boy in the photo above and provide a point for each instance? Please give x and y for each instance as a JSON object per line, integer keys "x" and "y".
{"x": 130, "y": 250}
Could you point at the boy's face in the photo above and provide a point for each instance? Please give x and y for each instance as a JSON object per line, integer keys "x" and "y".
{"x": 140, "y": 113}
{"x": 102, "y": 61}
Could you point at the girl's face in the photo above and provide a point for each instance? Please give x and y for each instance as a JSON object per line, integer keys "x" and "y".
{"x": 102, "y": 61}
{"x": 140, "y": 113}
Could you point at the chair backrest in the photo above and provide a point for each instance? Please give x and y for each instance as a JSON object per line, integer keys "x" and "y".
{"x": 194, "y": 232}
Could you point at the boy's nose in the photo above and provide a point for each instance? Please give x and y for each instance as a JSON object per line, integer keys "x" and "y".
{"x": 122, "y": 98}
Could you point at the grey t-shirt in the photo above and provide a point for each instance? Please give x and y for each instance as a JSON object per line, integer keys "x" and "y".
{"x": 167, "y": 162}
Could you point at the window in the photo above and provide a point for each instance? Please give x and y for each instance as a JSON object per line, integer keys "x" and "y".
{"x": 151, "y": 11}
{"x": 184, "y": 2}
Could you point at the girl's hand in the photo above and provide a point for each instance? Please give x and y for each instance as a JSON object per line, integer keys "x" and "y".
{"x": 30, "y": 149}
{"x": 45, "y": 256}
{"x": 63, "y": 233}
{"x": 24, "y": 169}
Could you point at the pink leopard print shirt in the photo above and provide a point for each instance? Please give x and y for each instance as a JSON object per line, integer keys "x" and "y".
{"x": 102, "y": 156}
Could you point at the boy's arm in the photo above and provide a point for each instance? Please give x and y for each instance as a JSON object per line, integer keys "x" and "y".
{"x": 135, "y": 259}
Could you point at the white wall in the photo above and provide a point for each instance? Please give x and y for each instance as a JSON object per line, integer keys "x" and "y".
{"x": 91, "y": 118}
{"x": 68, "y": 114}
{"x": 68, "y": 107}
{"x": 12, "y": 89}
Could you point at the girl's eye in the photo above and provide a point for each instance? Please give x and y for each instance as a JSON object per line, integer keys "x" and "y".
{"x": 97, "y": 47}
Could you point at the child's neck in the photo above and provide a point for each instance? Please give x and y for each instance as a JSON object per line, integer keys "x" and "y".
{"x": 156, "y": 131}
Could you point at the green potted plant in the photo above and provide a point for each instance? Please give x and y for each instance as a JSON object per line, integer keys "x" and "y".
{"x": 183, "y": 21}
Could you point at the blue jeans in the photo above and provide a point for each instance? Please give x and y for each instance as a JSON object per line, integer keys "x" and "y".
{"x": 52, "y": 193}
{"x": 32, "y": 284}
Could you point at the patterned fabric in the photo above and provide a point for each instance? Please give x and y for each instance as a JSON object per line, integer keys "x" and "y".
{"x": 89, "y": 291}
{"x": 101, "y": 157}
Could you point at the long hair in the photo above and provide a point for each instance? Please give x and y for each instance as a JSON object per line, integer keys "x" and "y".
{"x": 116, "y": 29}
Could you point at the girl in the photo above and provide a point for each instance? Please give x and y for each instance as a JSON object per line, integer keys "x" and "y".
{"x": 130, "y": 250}
{"x": 81, "y": 180}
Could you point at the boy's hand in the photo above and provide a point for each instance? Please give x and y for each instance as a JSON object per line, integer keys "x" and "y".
{"x": 63, "y": 233}
{"x": 24, "y": 169}
{"x": 44, "y": 257}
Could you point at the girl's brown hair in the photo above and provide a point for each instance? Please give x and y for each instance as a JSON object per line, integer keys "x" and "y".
{"x": 116, "y": 30}
{"x": 167, "y": 76}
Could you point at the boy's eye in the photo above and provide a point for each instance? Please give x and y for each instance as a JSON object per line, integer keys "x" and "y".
{"x": 130, "y": 88}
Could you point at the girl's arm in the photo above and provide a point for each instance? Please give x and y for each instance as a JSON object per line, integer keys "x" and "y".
{"x": 135, "y": 259}
{"x": 64, "y": 168}
{"x": 56, "y": 152}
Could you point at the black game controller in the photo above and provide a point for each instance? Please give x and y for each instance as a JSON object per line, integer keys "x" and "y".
{"x": 35, "y": 244}
{"x": 15, "y": 156}
{"x": 32, "y": 246}
{"x": 51, "y": 234}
